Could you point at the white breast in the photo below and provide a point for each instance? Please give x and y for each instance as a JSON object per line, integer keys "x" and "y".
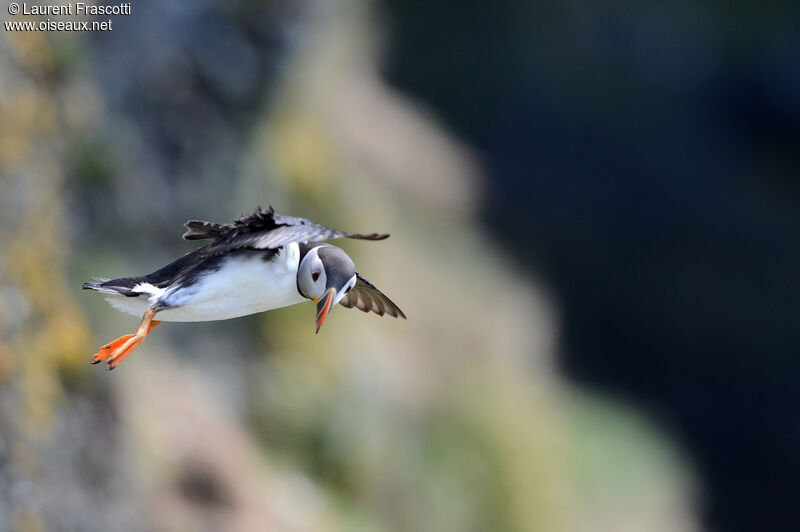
{"x": 244, "y": 284}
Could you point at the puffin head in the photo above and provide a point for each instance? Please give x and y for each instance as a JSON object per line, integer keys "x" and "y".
{"x": 326, "y": 274}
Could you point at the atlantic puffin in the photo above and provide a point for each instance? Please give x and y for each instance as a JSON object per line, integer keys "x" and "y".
{"x": 258, "y": 262}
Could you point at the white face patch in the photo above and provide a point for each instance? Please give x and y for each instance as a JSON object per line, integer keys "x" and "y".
{"x": 326, "y": 267}
{"x": 311, "y": 276}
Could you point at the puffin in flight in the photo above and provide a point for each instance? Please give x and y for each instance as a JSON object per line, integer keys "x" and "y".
{"x": 257, "y": 262}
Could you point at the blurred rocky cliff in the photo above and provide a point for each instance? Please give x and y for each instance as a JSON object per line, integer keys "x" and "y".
{"x": 452, "y": 420}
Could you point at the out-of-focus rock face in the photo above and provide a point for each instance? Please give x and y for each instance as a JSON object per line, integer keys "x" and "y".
{"x": 451, "y": 420}
{"x": 57, "y": 429}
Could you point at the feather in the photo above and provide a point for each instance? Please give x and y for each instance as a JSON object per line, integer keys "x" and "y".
{"x": 263, "y": 229}
{"x": 366, "y": 297}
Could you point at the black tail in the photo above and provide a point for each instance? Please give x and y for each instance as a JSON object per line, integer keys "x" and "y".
{"x": 112, "y": 287}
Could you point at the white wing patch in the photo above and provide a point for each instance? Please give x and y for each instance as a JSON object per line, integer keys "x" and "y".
{"x": 147, "y": 288}
{"x": 136, "y": 305}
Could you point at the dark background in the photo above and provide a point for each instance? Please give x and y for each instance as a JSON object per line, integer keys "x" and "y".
{"x": 644, "y": 156}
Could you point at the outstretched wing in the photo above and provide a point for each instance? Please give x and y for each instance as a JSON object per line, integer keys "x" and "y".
{"x": 264, "y": 230}
{"x": 364, "y": 296}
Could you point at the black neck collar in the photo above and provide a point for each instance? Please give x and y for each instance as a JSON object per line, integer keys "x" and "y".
{"x": 304, "y": 249}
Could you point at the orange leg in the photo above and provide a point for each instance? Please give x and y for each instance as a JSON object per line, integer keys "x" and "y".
{"x": 115, "y": 352}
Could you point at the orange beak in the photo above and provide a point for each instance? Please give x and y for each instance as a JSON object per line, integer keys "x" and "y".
{"x": 324, "y": 306}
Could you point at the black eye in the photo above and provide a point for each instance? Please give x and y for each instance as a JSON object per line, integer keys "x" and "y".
{"x": 315, "y": 276}
{"x": 348, "y": 289}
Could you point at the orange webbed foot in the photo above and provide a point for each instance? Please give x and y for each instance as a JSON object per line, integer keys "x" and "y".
{"x": 123, "y": 351}
{"x": 115, "y": 352}
{"x": 110, "y": 349}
